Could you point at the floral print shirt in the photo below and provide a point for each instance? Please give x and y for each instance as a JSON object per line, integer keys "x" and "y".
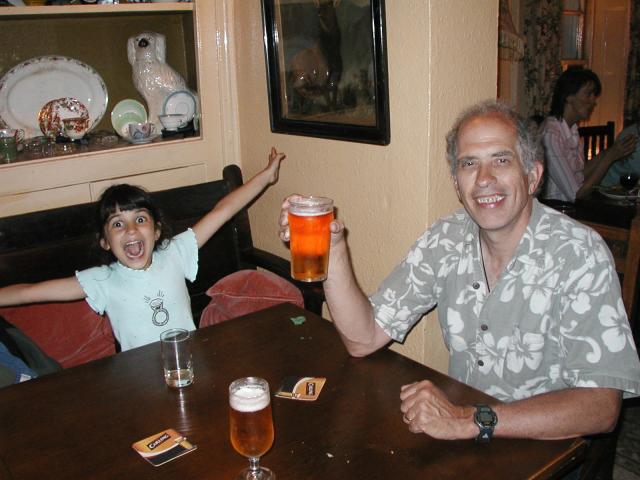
{"x": 555, "y": 318}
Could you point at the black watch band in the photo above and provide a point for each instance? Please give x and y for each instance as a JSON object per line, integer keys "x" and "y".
{"x": 486, "y": 419}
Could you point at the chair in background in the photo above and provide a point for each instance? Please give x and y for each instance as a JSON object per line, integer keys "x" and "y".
{"x": 625, "y": 246}
{"x": 596, "y": 138}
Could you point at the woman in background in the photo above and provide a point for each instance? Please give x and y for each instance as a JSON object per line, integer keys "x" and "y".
{"x": 568, "y": 177}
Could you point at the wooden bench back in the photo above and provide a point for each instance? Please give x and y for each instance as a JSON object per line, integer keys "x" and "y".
{"x": 55, "y": 243}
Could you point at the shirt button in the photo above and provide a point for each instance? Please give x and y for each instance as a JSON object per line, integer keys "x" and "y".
{"x": 476, "y": 285}
{"x": 484, "y": 327}
{"x": 481, "y": 363}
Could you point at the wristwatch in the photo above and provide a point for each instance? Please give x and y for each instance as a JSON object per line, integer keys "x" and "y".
{"x": 486, "y": 419}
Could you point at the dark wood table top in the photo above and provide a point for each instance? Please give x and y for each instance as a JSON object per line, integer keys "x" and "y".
{"x": 598, "y": 208}
{"x": 80, "y": 423}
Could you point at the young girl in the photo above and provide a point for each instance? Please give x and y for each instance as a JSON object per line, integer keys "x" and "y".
{"x": 143, "y": 290}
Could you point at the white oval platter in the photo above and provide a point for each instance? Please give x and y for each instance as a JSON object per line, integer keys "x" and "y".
{"x": 28, "y": 86}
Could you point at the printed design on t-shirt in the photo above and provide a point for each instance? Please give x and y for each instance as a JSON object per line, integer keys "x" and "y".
{"x": 160, "y": 314}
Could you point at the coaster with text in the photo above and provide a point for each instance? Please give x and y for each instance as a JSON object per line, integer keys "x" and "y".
{"x": 301, "y": 388}
{"x": 163, "y": 447}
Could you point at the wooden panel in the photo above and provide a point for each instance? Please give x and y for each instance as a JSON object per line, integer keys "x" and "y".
{"x": 154, "y": 181}
{"x": 44, "y": 199}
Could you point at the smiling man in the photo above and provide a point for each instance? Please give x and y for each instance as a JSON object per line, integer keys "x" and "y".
{"x": 528, "y": 300}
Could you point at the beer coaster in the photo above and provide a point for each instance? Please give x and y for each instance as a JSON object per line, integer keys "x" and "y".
{"x": 301, "y": 388}
{"x": 163, "y": 447}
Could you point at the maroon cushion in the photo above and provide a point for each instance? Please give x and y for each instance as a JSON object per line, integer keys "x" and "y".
{"x": 247, "y": 291}
{"x": 70, "y": 332}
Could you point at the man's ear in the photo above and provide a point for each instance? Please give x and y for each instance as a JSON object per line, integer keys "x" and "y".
{"x": 456, "y": 187}
{"x": 535, "y": 177}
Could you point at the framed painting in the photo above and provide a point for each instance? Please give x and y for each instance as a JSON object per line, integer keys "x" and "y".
{"x": 327, "y": 68}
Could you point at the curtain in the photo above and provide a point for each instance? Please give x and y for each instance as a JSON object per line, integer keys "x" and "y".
{"x": 632, "y": 94}
{"x": 510, "y": 43}
{"x": 542, "y": 53}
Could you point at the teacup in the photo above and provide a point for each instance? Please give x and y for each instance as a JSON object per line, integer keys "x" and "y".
{"x": 16, "y": 133}
{"x": 75, "y": 128}
{"x": 173, "y": 121}
{"x": 141, "y": 131}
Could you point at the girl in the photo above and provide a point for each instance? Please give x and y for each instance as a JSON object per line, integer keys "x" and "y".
{"x": 143, "y": 289}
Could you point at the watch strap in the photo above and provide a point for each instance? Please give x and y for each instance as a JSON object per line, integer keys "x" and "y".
{"x": 486, "y": 420}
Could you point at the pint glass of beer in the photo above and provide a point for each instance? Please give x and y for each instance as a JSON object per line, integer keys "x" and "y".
{"x": 309, "y": 220}
{"x": 251, "y": 424}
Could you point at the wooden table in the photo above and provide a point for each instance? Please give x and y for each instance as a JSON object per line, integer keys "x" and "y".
{"x": 80, "y": 423}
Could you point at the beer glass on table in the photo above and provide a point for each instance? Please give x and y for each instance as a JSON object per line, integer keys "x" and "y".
{"x": 309, "y": 220}
{"x": 251, "y": 424}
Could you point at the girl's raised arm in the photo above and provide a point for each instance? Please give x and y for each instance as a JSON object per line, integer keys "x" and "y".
{"x": 236, "y": 200}
{"x": 58, "y": 290}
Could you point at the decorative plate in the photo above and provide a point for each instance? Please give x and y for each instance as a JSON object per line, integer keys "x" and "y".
{"x": 618, "y": 192}
{"x": 182, "y": 102}
{"x": 54, "y": 112}
{"x": 125, "y": 112}
{"x": 29, "y": 85}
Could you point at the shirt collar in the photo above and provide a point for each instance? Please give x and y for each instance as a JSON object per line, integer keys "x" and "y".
{"x": 526, "y": 252}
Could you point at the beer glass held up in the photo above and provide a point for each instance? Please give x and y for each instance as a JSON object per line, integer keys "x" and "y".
{"x": 309, "y": 220}
{"x": 251, "y": 424}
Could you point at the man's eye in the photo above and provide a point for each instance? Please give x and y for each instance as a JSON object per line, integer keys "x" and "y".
{"x": 503, "y": 160}
{"x": 466, "y": 163}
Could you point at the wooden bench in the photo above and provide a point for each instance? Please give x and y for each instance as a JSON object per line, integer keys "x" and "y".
{"x": 55, "y": 243}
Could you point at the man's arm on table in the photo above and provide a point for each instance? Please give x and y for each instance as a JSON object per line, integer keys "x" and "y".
{"x": 567, "y": 413}
{"x": 350, "y": 309}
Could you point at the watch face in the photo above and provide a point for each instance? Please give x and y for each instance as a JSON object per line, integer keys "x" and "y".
{"x": 485, "y": 418}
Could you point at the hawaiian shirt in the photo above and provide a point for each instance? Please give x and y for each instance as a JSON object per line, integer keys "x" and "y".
{"x": 555, "y": 318}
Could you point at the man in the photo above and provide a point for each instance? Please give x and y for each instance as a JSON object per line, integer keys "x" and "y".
{"x": 528, "y": 300}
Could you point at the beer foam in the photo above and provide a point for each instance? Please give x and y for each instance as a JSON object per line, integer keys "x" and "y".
{"x": 249, "y": 399}
{"x": 302, "y": 213}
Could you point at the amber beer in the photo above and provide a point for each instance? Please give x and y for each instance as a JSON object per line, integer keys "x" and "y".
{"x": 250, "y": 420}
{"x": 309, "y": 220}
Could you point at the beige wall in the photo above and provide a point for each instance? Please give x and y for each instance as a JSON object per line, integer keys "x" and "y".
{"x": 442, "y": 57}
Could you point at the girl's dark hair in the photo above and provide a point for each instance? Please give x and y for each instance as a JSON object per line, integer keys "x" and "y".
{"x": 127, "y": 197}
{"x": 572, "y": 80}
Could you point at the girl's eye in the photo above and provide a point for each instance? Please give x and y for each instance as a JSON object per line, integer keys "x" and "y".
{"x": 141, "y": 220}
{"x": 117, "y": 224}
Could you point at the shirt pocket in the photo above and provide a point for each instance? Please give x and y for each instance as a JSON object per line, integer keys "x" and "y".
{"x": 523, "y": 356}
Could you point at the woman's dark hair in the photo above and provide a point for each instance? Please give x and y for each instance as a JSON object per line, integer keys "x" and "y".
{"x": 127, "y": 197}
{"x": 572, "y": 80}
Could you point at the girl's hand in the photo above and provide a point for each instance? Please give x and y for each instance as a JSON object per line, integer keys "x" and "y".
{"x": 273, "y": 168}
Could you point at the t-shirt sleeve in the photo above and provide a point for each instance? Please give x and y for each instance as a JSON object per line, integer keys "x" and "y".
{"x": 594, "y": 331}
{"x": 93, "y": 282}
{"x": 186, "y": 247}
{"x": 408, "y": 292}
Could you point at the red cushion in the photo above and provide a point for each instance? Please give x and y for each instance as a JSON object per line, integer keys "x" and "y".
{"x": 70, "y": 332}
{"x": 247, "y": 291}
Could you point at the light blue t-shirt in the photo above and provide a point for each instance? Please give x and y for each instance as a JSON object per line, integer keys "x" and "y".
{"x": 631, "y": 164}
{"x": 142, "y": 304}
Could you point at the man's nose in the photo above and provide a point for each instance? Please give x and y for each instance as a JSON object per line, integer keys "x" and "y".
{"x": 485, "y": 175}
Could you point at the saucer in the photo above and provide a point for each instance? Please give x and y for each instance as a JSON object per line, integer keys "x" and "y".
{"x": 181, "y": 102}
{"x": 141, "y": 141}
{"x": 125, "y": 112}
